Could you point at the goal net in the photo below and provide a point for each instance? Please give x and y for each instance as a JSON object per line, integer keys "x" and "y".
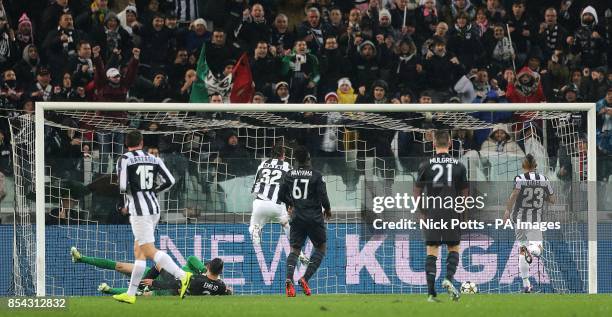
{"x": 214, "y": 156}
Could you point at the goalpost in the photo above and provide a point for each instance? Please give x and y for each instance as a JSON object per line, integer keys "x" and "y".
{"x": 446, "y": 111}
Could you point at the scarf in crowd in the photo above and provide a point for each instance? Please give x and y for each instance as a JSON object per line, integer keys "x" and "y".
{"x": 85, "y": 61}
{"x": 482, "y": 27}
{"x": 551, "y": 37}
{"x": 464, "y": 32}
{"x": 112, "y": 38}
{"x": 5, "y": 47}
{"x": 222, "y": 86}
{"x": 46, "y": 91}
{"x": 403, "y": 59}
{"x": 503, "y": 50}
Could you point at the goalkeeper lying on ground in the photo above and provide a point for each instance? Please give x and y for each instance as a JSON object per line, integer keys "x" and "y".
{"x": 205, "y": 280}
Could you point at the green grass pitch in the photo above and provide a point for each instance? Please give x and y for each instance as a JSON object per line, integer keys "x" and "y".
{"x": 514, "y": 305}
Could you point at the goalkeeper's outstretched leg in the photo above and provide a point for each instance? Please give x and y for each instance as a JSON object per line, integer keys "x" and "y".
{"x": 107, "y": 264}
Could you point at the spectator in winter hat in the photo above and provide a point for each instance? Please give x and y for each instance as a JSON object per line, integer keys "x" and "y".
{"x": 378, "y": 93}
{"x": 589, "y": 40}
{"x": 198, "y": 34}
{"x": 384, "y": 25}
{"x": 406, "y": 68}
{"x": 500, "y": 141}
{"x": 41, "y": 90}
{"x": 456, "y": 7}
{"x": 427, "y": 18}
{"x": 331, "y": 98}
{"x": 346, "y": 93}
{"x": 110, "y": 86}
{"x": 24, "y": 34}
{"x": 366, "y": 66}
{"x": 129, "y": 19}
{"x": 259, "y": 97}
{"x": 281, "y": 93}
{"x": 310, "y": 99}
{"x": 26, "y": 67}
{"x": 111, "y": 36}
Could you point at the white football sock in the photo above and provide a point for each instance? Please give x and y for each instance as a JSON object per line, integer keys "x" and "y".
{"x": 524, "y": 270}
{"x": 166, "y": 263}
{"x": 137, "y": 272}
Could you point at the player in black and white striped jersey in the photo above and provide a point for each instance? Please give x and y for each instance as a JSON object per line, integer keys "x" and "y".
{"x": 141, "y": 177}
{"x": 525, "y": 205}
{"x": 266, "y": 205}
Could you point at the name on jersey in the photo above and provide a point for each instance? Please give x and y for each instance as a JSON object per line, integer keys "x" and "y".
{"x": 301, "y": 173}
{"x": 443, "y": 160}
{"x": 533, "y": 183}
{"x": 141, "y": 159}
{"x": 268, "y": 165}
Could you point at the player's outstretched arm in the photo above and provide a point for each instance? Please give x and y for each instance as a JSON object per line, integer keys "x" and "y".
{"x": 168, "y": 179}
{"x": 122, "y": 171}
{"x": 322, "y": 189}
{"x": 510, "y": 203}
{"x": 284, "y": 193}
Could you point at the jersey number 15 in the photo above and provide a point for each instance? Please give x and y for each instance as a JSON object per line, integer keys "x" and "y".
{"x": 146, "y": 176}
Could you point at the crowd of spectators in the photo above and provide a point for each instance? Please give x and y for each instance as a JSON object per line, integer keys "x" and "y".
{"x": 348, "y": 51}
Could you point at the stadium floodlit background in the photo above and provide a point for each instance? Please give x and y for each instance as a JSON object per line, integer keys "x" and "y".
{"x": 273, "y": 52}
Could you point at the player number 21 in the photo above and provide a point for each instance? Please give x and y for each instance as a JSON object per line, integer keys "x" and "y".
{"x": 146, "y": 176}
{"x": 299, "y": 193}
{"x": 440, "y": 171}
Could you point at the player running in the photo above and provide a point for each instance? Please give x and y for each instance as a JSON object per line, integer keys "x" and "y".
{"x": 531, "y": 190}
{"x": 441, "y": 176}
{"x": 266, "y": 205}
{"x": 303, "y": 191}
{"x": 141, "y": 177}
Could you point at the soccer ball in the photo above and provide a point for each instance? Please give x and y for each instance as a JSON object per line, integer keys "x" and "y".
{"x": 469, "y": 288}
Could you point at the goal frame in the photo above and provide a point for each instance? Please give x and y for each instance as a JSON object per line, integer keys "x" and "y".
{"x": 41, "y": 107}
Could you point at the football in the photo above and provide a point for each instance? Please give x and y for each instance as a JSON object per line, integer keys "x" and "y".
{"x": 469, "y": 288}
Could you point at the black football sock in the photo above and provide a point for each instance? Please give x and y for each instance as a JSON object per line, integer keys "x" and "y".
{"x": 430, "y": 271}
{"x": 315, "y": 261}
{"x": 291, "y": 263}
{"x": 452, "y": 260}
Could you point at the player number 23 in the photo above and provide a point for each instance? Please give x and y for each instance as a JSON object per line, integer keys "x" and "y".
{"x": 146, "y": 176}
